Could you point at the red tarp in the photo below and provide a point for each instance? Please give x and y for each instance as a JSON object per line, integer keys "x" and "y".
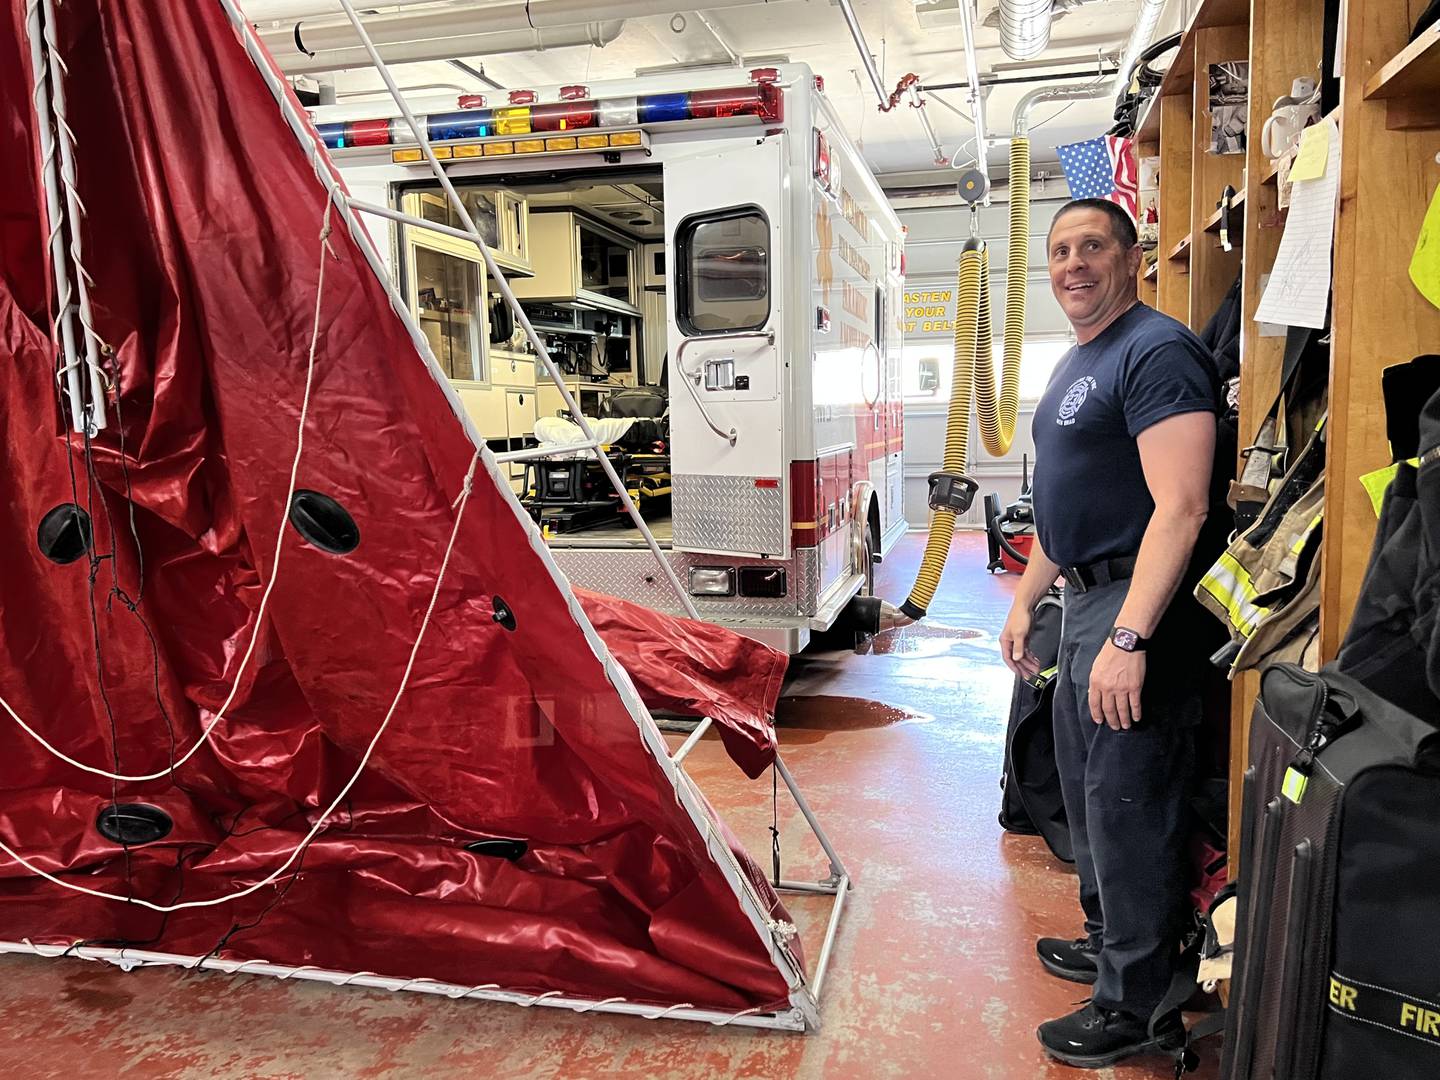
{"x": 202, "y": 239}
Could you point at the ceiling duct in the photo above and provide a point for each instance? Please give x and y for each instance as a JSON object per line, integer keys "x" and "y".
{"x": 1025, "y": 27}
{"x": 1146, "y": 20}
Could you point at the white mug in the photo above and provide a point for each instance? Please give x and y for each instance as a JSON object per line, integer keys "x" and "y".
{"x": 1292, "y": 115}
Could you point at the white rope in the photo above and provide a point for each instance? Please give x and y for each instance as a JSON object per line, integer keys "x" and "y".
{"x": 274, "y": 571}
{"x": 344, "y": 792}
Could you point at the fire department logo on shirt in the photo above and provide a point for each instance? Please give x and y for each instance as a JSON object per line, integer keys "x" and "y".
{"x": 1074, "y": 398}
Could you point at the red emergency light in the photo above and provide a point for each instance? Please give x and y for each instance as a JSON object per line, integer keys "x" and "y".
{"x": 564, "y": 116}
{"x": 762, "y": 101}
{"x": 368, "y": 133}
{"x": 523, "y": 97}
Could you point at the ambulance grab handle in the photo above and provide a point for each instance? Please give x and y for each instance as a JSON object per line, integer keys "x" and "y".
{"x": 768, "y": 336}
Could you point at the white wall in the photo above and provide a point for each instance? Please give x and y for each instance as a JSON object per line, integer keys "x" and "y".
{"x": 932, "y": 253}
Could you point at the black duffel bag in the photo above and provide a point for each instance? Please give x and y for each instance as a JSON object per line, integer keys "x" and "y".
{"x": 1337, "y": 958}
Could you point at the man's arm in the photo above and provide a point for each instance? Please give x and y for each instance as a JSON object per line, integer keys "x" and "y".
{"x": 1040, "y": 574}
{"x": 1176, "y": 455}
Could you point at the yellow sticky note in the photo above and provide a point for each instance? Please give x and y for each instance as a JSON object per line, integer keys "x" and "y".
{"x": 1314, "y": 153}
{"x": 1425, "y": 263}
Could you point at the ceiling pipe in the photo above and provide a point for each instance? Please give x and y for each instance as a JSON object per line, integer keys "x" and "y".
{"x": 975, "y": 94}
{"x": 1024, "y": 27}
{"x": 1054, "y": 93}
{"x": 465, "y": 20}
{"x": 866, "y": 59}
{"x": 1146, "y": 20}
{"x": 294, "y": 62}
{"x": 918, "y": 103}
{"x": 259, "y": 12}
{"x": 1014, "y": 80}
{"x": 848, "y": 10}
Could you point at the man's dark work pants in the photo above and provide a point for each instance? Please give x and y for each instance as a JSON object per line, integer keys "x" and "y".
{"x": 1126, "y": 800}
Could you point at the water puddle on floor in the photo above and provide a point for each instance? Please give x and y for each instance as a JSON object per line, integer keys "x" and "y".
{"x": 922, "y": 639}
{"x": 802, "y": 720}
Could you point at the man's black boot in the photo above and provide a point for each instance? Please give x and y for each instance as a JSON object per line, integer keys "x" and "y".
{"x": 1072, "y": 960}
{"x": 1095, "y": 1037}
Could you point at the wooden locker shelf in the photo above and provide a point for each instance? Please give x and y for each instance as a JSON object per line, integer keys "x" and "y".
{"x": 1409, "y": 83}
{"x": 1237, "y": 215}
{"x": 1389, "y": 108}
{"x": 1413, "y": 73}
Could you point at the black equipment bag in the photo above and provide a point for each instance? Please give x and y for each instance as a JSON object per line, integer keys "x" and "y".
{"x": 648, "y": 402}
{"x": 1391, "y": 644}
{"x": 1337, "y": 959}
{"x": 1030, "y": 798}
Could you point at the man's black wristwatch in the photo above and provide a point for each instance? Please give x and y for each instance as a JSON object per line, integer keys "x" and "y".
{"x": 1127, "y": 640}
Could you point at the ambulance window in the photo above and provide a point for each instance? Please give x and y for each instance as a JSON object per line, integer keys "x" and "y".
{"x": 724, "y": 265}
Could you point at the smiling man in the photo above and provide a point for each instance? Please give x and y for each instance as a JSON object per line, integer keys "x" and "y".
{"x": 1124, "y": 444}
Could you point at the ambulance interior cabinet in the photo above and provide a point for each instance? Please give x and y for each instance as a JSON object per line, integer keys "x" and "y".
{"x": 577, "y": 261}
{"x": 501, "y": 217}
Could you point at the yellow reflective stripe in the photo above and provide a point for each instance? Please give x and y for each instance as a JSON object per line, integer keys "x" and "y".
{"x": 1232, "y": 587}
{"x": 1304, "y": 537}
{"x": 1049, "y": 672}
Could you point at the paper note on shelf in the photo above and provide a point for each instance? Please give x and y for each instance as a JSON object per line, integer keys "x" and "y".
{"x": 1314, "y": 155}
{"x": 1425, "y": 263}
{"x": 1275, "y": 330}
{"x": 1298, "y": 292}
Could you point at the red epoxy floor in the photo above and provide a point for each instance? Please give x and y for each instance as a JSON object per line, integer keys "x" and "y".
{"x": 934, "y": 973}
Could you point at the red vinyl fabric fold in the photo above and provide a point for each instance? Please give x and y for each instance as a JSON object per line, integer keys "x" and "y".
{"x": 203, "y": 240}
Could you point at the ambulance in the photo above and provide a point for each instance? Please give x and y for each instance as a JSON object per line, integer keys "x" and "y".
{"x": 712, "y": 235}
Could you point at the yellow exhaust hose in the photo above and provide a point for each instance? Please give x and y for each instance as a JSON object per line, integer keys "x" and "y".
{"x": 951, "y": 491}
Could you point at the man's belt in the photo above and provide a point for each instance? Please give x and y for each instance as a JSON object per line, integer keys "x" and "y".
{"x": 1097, "y": 574}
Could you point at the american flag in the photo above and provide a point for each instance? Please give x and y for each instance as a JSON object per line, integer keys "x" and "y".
{"x": 1102, "y": 168}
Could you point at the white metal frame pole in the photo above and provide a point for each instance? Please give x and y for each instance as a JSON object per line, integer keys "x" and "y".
{"x": 65, "y": 138}
{"x": 55, "y": 220}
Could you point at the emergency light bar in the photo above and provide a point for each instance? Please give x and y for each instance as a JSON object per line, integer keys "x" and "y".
{"x": 523, "y": 115}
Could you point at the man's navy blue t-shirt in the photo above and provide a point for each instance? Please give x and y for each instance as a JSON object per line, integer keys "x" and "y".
{"x": 1090, "y": 496}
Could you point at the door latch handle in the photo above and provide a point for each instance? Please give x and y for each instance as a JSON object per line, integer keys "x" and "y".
{"x": 720, "y": 373}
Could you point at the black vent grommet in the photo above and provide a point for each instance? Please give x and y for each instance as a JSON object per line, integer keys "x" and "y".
{"x": 503, "y": 615}
{"x": 324, "y": 522}
{"x": 133, "y": 824}
{"x": 497, "y": 848}
{"x": 64, "y": 534}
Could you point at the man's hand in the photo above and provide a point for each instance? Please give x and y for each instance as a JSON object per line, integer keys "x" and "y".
{"x": 1015, "y": 642}
{"x": 1115, "y": 682}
